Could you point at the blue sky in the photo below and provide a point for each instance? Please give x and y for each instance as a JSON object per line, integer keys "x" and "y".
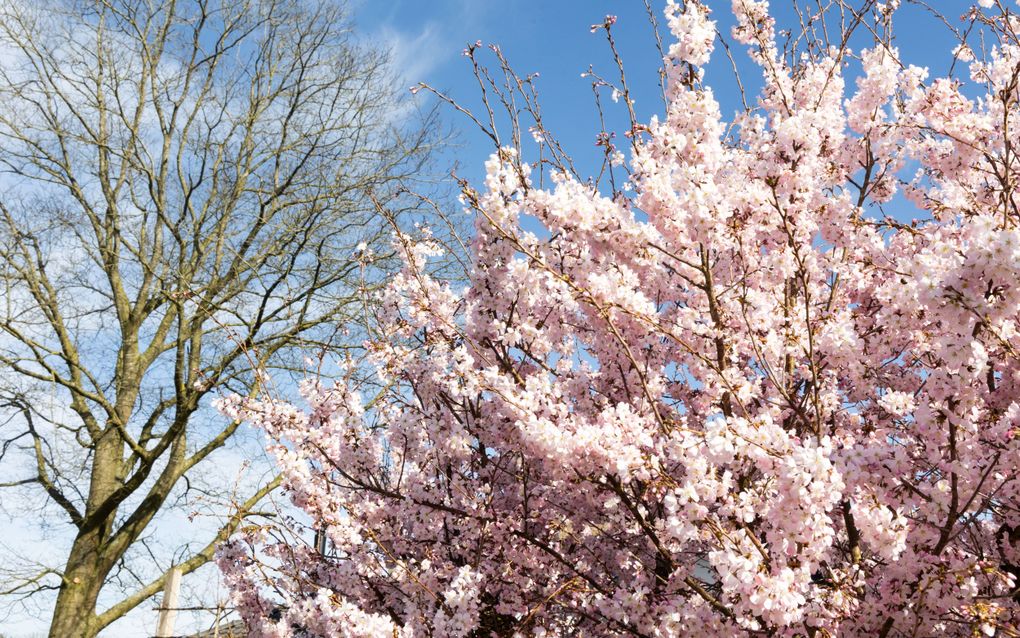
{"x": 554, "y": 39}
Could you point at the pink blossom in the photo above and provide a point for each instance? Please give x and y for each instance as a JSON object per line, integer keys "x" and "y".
{"x": 735, "y": 401}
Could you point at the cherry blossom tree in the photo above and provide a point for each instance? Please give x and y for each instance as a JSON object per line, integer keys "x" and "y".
{"x": 730, "y": 397}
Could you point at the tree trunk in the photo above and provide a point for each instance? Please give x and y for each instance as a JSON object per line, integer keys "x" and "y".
{"x": 89, "y": 561}
{"x": 75, "y": 613}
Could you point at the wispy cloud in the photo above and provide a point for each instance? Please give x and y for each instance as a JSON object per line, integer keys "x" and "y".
{"x": 415, "y": 55}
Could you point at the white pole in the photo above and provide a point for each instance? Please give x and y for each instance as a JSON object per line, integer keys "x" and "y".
{"x": 168, "y": 610}
{"x": 216, "y": 623}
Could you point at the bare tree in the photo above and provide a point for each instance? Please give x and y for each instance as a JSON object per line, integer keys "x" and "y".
{"x": 189, "y": 192}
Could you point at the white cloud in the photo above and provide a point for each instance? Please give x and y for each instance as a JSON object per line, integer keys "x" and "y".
{"x": 415, "y": 55}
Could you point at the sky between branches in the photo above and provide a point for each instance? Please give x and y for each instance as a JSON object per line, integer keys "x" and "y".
{"x": 554, "y": 38}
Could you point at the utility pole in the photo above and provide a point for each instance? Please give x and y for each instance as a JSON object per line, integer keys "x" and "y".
{"x": 168, "y": 610}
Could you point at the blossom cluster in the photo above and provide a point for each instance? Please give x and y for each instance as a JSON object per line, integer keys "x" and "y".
{"x": 737, "y": 402}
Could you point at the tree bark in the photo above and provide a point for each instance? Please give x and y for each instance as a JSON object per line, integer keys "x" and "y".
{"x": 89, "y": 562}
{"x": 74, "y": 614}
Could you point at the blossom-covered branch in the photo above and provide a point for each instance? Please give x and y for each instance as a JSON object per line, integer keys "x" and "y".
{"x": 734, "y": 401}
